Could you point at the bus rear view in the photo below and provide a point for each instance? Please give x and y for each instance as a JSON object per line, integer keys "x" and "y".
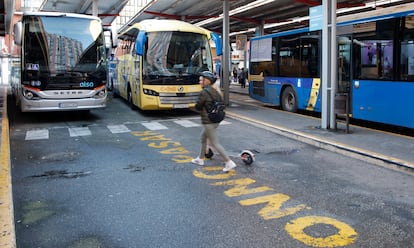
{"x": 63, "y": 62}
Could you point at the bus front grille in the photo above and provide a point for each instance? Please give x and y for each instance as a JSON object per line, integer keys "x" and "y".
{"x": 178, "y": 98}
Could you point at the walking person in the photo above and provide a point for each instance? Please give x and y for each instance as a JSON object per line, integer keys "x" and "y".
{"x": 242, "y": 78}
{"x": 209, "y": 131}
{"x": 209, "y": 152}
{"x": 234, "y": 74}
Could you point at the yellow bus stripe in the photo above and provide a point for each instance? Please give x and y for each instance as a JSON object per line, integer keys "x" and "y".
{"x": 316, "y": 83}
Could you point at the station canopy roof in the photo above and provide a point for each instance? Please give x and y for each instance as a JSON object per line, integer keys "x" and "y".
{"x": 244, "y": 15}
{"x": 108, "y": 10}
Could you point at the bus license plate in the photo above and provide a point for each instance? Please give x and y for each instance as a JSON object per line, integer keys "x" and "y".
{"x": 68, "y": 105}
{"x": 181, "y": 105}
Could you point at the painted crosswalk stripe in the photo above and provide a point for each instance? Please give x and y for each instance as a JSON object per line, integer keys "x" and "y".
{"x": 79, "y": 131}
{"x": 118, "y": 129}
{"x": 187, "y": 123}
{"x": 37, "y": 134}
{"x": 154, "y": 125}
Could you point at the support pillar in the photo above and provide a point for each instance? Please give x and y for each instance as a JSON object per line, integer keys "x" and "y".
{"x": 226, "y": 52}
{"x": 329, "y": 64}
{"x": 95, "y": 7}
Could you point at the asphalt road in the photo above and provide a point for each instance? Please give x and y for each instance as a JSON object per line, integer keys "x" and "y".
{"x": 122, "y": 178}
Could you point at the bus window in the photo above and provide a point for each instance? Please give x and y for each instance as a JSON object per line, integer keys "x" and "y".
{"x": 299, "y": 56}
{"x": 177, "y": 53}
{"x": 267, "y": 66}
{"x": 407, "y": 50}
{"x": 344, "y": 50}
{"x": 289, "y": 56}
{"x": 310, "y": 55}
{"x": 374, "y": 49}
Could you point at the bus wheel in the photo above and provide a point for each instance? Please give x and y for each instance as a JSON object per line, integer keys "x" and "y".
{"x": 130, "y": 101}
{"x": 289, "y": 100}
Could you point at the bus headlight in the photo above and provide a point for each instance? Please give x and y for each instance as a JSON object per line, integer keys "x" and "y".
{"x": 101, "y": 94}
{"x": 29, "y": 95}
{"x": 150, "y": 92}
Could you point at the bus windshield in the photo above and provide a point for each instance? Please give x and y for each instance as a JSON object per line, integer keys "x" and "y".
{"x": 63, "y": 52}
{"x": 179, "y": 54}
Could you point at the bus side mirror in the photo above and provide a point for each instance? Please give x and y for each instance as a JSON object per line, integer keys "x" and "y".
{"x": 219, "y": 48}
{"x": 140, "y": 43}
{"x": 17, "y": 33}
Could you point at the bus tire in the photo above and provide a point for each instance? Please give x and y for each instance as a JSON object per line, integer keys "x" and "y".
{"x": 289, "y": 100}
{"x": 130, "y": 100}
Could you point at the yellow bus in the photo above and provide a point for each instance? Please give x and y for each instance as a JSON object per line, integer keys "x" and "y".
{"x": 157, "y": 64}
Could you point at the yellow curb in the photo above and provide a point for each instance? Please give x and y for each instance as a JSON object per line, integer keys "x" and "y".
{"x": 8, "y": 236}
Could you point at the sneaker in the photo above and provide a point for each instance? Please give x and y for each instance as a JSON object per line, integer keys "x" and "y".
{"x": 229, "y": 165}
{"x": 198, "y": 161}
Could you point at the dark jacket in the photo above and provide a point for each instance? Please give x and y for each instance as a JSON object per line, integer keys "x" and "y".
{"x": 204, "y": 102}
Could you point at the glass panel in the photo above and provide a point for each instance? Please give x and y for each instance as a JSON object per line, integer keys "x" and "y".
{"x": 407, "y": 50}
{"x": 344, "y": 50}
{"x": 309, "y": 56}
{"x": 267, "y": 67}
{"x": 289, "y": 56}
{"x": 374, "y": 50}
{"x": 177, "y": 54}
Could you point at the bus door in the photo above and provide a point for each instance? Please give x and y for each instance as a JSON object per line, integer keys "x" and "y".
{"x": 136, "y": 75}
{"x": 344, "y": 68}
{"x": 344, "y": 74}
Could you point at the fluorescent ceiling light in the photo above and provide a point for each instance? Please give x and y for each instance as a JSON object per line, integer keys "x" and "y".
{"x": 241, "y": 9}
{"x": 373, "y": 4}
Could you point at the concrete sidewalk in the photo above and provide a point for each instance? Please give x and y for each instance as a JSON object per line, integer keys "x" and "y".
{"x": 7, "y": 239}
{"x": 378, "y": 147}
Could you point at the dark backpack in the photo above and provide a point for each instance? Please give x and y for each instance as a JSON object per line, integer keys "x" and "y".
{"x": 216, "y": 110}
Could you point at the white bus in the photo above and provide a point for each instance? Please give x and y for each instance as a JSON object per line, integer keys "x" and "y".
{"x": 63, "y": 62}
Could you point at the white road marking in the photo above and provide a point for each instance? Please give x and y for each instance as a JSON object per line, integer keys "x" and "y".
{"x": 37, "y": 134}
{"x": 79, "y": 131}
{"x": 40, "y": 134}
{"x": 118, "y": 129}
{"x": 154, "y": 126}
{"x": 225, "y": 123}
{"x": 187, "y": 123}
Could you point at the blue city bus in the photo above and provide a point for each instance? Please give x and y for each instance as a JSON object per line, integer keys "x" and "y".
{"x": 375, "y": 66}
